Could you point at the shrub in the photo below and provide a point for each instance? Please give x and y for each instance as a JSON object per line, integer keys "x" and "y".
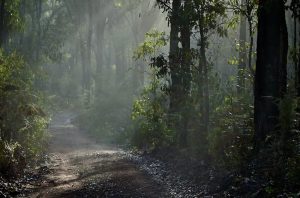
{"x": 230, "y": 139}
{"x": 22, "y": 121}
{"x": 149, "y": 116}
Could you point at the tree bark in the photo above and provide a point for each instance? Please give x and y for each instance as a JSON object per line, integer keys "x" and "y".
{"x": 2, "y": 23}
{"x": 39, "y": 29}
{"x": 83, "y": 55}
{"x": 173, "y": 56}
{"x": 250, "y": 52}
{"x": 242, "y": 54}
{"x": 100, "y": 45}
{"x": 203, "y": 75}
{"x": 120, "y": 65}
{"x": 89, "y": 52}
{"x": 176, "y": 73}
{"x": 99, "y": 56}
{"x": 298, "y": 68}
{"x": 22, "y": 14}
{"x": 185, "y": 74}
{"x": 271, "y": 67}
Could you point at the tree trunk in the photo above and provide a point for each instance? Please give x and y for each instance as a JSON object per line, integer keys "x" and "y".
{"x": 250, "y": 52}
{"x": 203, "y": 78}
{"x": 175, "y": 72}
{"x": 83, "y": 61}
{"x": 99, "y": 56}
{"x": 100, "y": 45}
{"x": 89, "y": 53}
{"x": 242, "y": 54}
{"x": 38, "y": 20}
{"x": 83, "y": 55}
{"x": 22, "y": 15}
{"x": 136, "y": 67}
{"x": 120, "y": 65}
{"x": 185, "y": 75}
{"x": 2, "y": 23}
{"x": 271, "y": 67}
{"x": 173, "y": 56}
{"x": 298, "y": 68}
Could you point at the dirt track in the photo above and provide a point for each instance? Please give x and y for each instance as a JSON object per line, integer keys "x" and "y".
{"x": 79, "y": 167}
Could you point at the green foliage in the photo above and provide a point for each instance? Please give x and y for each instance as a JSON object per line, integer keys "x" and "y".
{"x": 213, "y": 13}
{"x": 108, "y": 118}
{"x": 293, "y": 171}
{"x": 55, "y": 34}
{"x": 278, "y": 161}
{"x": 11, "y": 76}
{"x": 287, "y": 108}
{"x": 233, "y": 22}
{"x": 149, "y": 116}
{"x": 154, "y": 40}
{"x": 32, "y": 135}
{"x": 231, "y": 133}
{"x": 11, "y": 159}
{"x": 294, "y": 54}
{"x": 288, "y": 139}
{"x": 14, "y": 21}
{"x": 22, "y": 121}
{"x": 247, "y": 9}
{"x": 230, "y": 139}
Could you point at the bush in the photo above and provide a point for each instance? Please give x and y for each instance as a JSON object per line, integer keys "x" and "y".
{"x": 22, "y": 121}
{"x": 12, "y": 159}
{"x": 288, "y": 153}
{"x": 149, "y": 116}
{"x": 230, "y": 139}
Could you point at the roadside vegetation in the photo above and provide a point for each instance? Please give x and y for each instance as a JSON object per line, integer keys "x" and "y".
{"x": 213, "y": 85}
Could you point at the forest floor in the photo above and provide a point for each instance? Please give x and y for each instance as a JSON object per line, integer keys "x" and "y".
{"x": 79, "y": 167}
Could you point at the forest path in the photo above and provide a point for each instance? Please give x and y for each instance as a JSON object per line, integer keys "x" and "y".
{"x": 79, "y": 167}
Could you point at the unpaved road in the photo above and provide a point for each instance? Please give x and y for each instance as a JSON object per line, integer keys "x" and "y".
{"x": 79, "y": 167}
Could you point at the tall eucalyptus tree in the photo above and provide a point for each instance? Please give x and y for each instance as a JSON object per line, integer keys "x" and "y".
{"x": 271, "y": 68}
